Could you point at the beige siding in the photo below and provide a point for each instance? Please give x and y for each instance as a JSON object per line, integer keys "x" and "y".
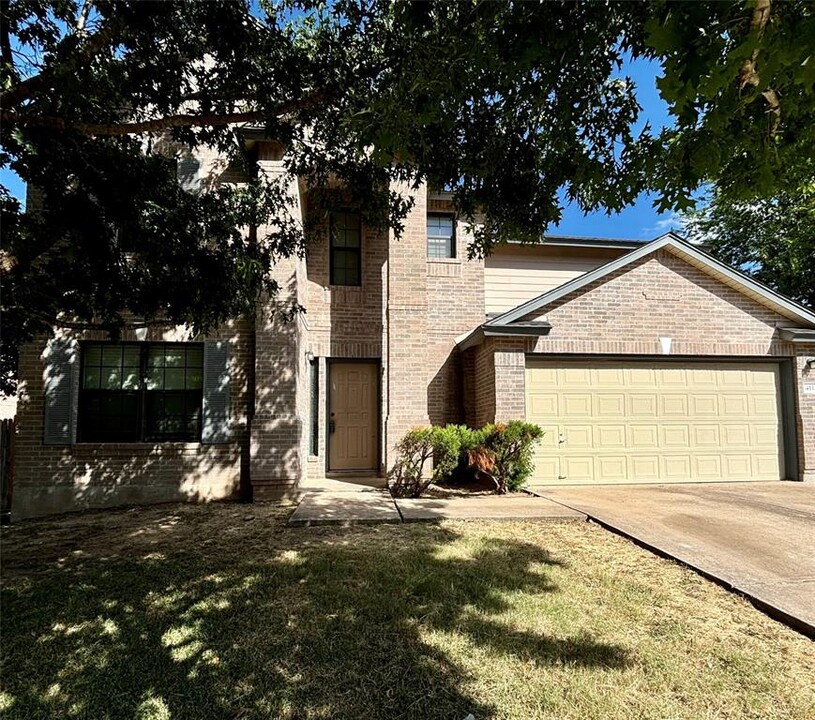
{"x": 515, "y": 274}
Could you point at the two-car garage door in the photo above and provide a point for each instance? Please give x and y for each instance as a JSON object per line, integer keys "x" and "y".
{"x": 612, "y": 421}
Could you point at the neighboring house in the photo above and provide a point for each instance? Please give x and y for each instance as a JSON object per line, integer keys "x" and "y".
{"x": 644, "y": 362}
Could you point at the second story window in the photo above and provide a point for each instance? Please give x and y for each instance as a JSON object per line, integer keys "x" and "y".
{"x": 441, "y": 238}
{"x": 346, "y": 248}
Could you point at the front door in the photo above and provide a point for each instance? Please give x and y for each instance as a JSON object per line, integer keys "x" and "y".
{"x": 352, "y": 413}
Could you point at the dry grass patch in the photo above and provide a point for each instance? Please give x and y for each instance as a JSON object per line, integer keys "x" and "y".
{"x": 199, "y": 612}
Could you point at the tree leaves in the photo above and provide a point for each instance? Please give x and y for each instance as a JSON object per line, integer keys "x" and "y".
{"x": 510, "y": 106}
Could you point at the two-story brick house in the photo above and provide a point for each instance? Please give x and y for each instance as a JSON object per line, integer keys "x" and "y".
{"x": 644, "y": 362}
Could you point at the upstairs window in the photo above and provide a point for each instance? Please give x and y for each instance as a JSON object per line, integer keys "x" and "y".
{"x": 141, "y": 392}
{"x": 346, "y": 248}
{"x": 441, "y": 239}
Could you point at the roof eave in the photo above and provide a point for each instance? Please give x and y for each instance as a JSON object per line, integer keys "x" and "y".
{"x": 798, "y": 335}
{"x": 477, "y": 336}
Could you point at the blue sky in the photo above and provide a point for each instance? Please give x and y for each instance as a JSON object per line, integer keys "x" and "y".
{"x": 639, "y": 221}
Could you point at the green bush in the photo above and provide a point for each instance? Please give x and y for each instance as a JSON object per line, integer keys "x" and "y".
{"x": 512, "y": 445}
{"x": 406, "y": 479}
{"x": 503, "y": 452}
{"x": 449, "y": 444}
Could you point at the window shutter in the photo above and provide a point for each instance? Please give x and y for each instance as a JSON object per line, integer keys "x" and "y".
{"x": 61, "y": 375}
{"x": 215, "y": 421}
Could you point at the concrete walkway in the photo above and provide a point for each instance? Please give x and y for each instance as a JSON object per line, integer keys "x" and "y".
{"x": 329, "y": 507}
{"x": 758, "y": 538}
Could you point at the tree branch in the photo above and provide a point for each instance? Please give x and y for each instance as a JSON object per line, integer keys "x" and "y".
{"x": 25, "y": 89}
{"x": 157, "y": 124}
{"x": 82, "y": 18}
{"x": 6, "y": 58}
{"x": 758, "y": 21}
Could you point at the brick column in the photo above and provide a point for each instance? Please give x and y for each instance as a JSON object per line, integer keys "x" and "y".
{"x": 806, "y": 415}
{"x": 510, "y": 385}
{"x": 406, "y": 325}
{"x": 276, "y": 461}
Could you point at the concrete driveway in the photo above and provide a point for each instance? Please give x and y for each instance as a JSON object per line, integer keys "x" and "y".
{"x": 758, "y": 538}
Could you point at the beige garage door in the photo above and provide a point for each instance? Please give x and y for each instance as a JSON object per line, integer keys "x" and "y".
{"x": 635, "y": 422}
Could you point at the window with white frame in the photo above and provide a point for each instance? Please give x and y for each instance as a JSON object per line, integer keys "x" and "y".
{"x": 441, "y": 236}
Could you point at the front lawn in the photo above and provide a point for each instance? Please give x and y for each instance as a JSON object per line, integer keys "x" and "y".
{"x": 222, "y": 612}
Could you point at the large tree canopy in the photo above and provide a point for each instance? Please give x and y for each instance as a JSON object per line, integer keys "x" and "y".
{"x": 772, "y": 239}
{"x": 508, "y": 105}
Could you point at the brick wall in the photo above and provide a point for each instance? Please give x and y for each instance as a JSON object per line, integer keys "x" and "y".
{"x": 455, "y": 305}
{"x": 430, "y": 303}
{"x": 661, "y": 296}
{"x": 805, "y": 404}
{"x": 281, "y": 378}
{"x": 627, "y": 313}
{"x": 55, "y": 478}
{"x": 405, "y": 366}
{"x": 342, "y": 321}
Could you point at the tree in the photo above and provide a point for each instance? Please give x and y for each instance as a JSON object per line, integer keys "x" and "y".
{"x": 505, "y": 104}
{"x": 771, "y": 239}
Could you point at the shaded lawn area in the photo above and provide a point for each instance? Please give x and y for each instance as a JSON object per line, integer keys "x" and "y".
{"x": 197, "y": 612}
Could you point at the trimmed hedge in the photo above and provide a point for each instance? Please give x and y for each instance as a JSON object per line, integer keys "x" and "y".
{"x": 501, "y": 452}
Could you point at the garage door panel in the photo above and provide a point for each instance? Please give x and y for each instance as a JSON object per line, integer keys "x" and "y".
{"x": 611, "y": 468}
{"x": 609, "y": 437}
{"x": 735, "y": 405}
{"x": 643, "y": 468}
{"x": 706, "y": 436}
{"x": 765, "y": 436}
{"x": 543, "y": 405}
{"x": 733, "y": 378}
{"x": 547, "y": 468}
{"x": 609, "y": 405}
{"x": 762, "y": 405}
{"x": 705, "y": 405}
{"x": 577, "y": 468}
{"x": 639, "y": 377}
{"x": 738, "y": 466}
{"x": 702, "y": 377}
{"x": 655, "y": 421}
{"x": 675, "y": 436}
{"x": 576, "y": 376}
{"x": 609, "y": 377}
{"x": 541, "y": 377}
{"x": 643, "y": 437}
{"x": 707, "y": 467}
{"x": 642, "y": 405}
{"x": 675, "y": 406}
{"x": 675, "y": 468}
{"x": 550, "y": 437}
{"x": 676, "y": 377}
{"x": 577, "y": 436}
{"x": 765, "y": 466}
{"x": 576, "y": 404}
{"x": 736, "y": 436}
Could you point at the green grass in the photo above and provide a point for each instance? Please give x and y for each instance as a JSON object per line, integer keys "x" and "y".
{"x": 196, "y": 612}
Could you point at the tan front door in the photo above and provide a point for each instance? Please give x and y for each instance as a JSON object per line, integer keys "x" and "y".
{"x": 655, "y": 421}
{"x": 352, "y": 431}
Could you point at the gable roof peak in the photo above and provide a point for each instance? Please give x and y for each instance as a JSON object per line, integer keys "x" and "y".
{"x": 690, "y": 253}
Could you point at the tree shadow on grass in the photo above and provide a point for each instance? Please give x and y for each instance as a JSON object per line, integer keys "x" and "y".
{"x": 252, "y": 621}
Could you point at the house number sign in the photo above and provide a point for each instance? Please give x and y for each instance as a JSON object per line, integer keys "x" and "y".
{"x": 809, "y": 388}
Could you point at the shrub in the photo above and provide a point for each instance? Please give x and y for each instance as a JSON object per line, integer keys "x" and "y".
{"x": 406, "y": 478}
{"x": 451, "y": 444}
{"x": 512, "y": 445}
{"x": 501, "y": 453}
